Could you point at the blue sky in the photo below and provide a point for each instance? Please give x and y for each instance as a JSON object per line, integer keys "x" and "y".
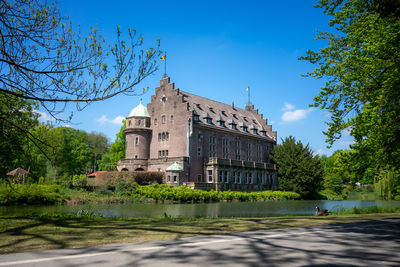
{"x": 216, "y": 49}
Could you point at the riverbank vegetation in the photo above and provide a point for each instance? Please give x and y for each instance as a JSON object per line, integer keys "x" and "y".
{"x": 126, "y": 193}
{"x": 33, "y": 233}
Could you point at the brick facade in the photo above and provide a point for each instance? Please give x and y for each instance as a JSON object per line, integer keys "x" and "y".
{"x": 219, "y": 146}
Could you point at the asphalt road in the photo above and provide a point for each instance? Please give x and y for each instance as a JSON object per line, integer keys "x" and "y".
{"x": 375, "y": 243}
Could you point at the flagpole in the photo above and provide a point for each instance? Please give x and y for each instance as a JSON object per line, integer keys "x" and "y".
{"x": 248, "y": 94}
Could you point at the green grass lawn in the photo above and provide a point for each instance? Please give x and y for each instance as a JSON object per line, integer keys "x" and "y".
{"x": 22, "y": 234}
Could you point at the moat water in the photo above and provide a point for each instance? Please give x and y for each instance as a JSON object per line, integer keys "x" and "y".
{"x": 220, "y": 209}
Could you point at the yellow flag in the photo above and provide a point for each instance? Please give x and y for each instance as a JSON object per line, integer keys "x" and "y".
{"x": 164, "y": 57}
{"x": 248, "y": 88}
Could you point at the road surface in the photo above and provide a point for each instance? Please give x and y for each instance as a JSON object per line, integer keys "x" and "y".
{"x": 374, "y": 243}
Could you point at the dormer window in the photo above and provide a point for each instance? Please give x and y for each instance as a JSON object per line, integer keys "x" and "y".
{"x": 222, "y": 123}
{"x": 196, "y": 118}
{"x": 209, "y": 120}
{"x": 245, "y": 129}
{"x": 255, "y": 131}
{"x": 234, "y": 126}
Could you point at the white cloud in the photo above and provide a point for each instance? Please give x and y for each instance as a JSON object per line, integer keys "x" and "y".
{"x": 319, "y": 152}
{"x": 271, "y": 122}
{"x": 288, "y": 107}
{"x": 296, "y": 115}
{"x": 43, "y": 116}
{"x": 346, "y": 143}
{"x": 117, "y": 120}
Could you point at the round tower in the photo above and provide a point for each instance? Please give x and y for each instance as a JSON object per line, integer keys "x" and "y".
{"x": 138, "y": 133}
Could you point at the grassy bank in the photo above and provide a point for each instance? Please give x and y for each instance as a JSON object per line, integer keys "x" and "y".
{"x": 29, "y": 233}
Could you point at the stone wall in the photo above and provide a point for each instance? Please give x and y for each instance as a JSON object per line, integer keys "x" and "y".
{"x": 142, "y": 178}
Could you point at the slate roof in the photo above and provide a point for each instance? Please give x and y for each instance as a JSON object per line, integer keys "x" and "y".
{"x": 229, "y": 114}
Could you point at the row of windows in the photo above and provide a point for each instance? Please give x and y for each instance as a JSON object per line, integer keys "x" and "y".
{"x": 164, "y": 119}
{"x": 174, "y": 178}
{"x": 225, "y": 150}
{"x": 238, "y": 177}
{"x": 233, "y": 126}
{"x": 162, "y": 153}
{"x": 163, "y": 136}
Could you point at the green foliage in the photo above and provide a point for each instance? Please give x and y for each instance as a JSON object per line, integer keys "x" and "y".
{"x": 361, "y": 67}
{"x": 387, "y": 184}
{"x": 109, "y": 160}
{"x": 185, "y": 194}
{"x": 298, "y": 169}
{"x": 29, "y": 194}
{"x": 366, "y": 210}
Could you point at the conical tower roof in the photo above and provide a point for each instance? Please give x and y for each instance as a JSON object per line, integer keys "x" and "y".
{"x": 139, "y": 111}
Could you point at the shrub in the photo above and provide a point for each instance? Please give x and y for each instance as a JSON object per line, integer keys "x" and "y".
{"x": 29, "y": 194}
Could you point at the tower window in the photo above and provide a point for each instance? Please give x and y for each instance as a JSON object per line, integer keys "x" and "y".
{"x": 137, "y": 141}
{"x": 163, "y": 119}
{"x": 155, "y": 121}
{"x": 139, "y": 122}
{"x": 172, "y": 118}
{"x": 129, "y": 123}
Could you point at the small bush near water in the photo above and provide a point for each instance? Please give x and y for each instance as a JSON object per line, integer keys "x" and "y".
{"x": 15, "y": 194}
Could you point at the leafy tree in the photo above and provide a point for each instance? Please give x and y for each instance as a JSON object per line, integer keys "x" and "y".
{"x": 361, "y": 66}
{"x": 43, "y": 58}
{"x": 46, "y": 63}
{"x": 298, "y": 169}
{"x": 109, "y": 160}
{"x": 17, "y": 115}
{"x": 99, "y": 143}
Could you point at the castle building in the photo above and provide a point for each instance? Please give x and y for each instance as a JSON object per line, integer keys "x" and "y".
{"x": 200, "y": 142}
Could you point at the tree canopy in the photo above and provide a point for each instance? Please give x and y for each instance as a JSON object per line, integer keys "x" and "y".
{"x": 361, "y": 67}
{"x": 298, "y": 169}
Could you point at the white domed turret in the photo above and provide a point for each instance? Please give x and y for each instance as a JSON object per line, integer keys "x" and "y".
{"x": 138, "y": 133}
{"x": 139, "y": 111}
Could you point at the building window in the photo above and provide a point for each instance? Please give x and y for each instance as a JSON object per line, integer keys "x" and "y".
{"x": 164, "y": 99}
{"x": 155, "y": 121}
{"x": 210, "y": 178}
{"x": 222, "y": 123}
{"x": 225, "y": 148}
{"x": 220, "y": 176}
{"x": 226, "y": 175}
{"x": 234, "y": 177}
{"x": 213, "y": 151}
{"x": 174, "y": 178}
{"x": 248, "y": 152}
{"x": 139, "y": 122}
{"x": 239, "y": 177}
{"x": 209, "y": 120}
{"x": 196, "y": 118}
{"x": 159, "y": 136}
{"x": 234, "y": 126}
{"x": 237, "y": 149}
{"x": 129, "y": 123}
{"x": 136, "y": 156}
{"x": 168, "y": 178}
{"x": 163, "y": 119}
{"x": 199, "y": 178}
{"x": 166, "y": 153}
{"x": 159, "y": 153}
{"x": 255, "y": 131}
{"x": 172, "y": 118}
{"x": 167, "y": 136}
{"x": 199, "y": 151}
{"x": 245, "y": 129}
{"x": 137, "y": 141}
{"x": 259, "y": 153}
{"x": 163, "y": 136}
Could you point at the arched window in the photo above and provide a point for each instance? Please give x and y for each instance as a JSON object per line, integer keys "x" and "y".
{"x": 155, "y": 121}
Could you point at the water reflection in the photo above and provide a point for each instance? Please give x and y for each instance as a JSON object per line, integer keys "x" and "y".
{"x": 221, "y": 209}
